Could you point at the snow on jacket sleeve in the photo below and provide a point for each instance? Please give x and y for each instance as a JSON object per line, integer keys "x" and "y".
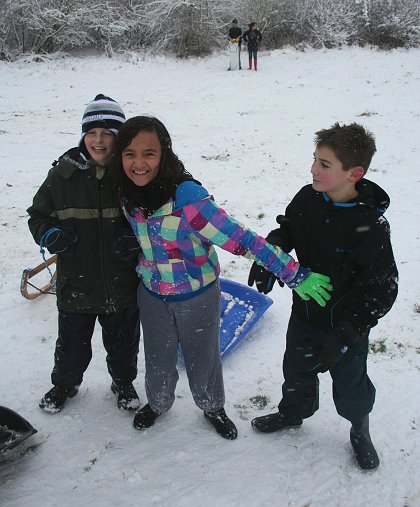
{"x": 376, "y": 287}
{"x": 213, "y": 225}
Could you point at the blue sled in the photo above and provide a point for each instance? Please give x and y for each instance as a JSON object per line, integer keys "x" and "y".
{"x": 241, "y": 308}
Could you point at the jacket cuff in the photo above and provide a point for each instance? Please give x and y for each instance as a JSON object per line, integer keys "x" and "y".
{"x": 300, "y": 276}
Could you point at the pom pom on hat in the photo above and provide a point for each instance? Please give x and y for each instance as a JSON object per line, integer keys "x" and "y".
{"x": 102, "y": 112}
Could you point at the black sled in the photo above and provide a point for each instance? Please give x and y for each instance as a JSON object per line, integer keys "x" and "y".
{"x": 14, "y": 429}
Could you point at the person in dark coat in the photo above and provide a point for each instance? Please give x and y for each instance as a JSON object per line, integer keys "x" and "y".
{"x": 76, "y": 215}
{"x": 235, "y": 37}
{"x": 253, "y": 37}
{"x": 336, "y": 226}
{"x": 235, "y": 32}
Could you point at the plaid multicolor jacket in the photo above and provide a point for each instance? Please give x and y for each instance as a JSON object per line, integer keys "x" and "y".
{"x": 177, "y": 243}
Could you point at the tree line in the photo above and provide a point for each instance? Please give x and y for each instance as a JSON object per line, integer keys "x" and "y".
{"x": 198, "y": 27}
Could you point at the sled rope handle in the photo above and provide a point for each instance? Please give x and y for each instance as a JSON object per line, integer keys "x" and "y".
{"x": 43, "y": 241}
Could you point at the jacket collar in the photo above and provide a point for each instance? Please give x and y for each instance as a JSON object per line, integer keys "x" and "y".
{"x": 369, "y": 194}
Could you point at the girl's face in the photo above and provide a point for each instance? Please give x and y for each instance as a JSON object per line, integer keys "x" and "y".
{"x": 99, "y": 143}
{"x": 141, "y": 158}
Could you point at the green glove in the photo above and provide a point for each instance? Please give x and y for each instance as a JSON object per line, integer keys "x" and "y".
{"x": 316, "y": 287}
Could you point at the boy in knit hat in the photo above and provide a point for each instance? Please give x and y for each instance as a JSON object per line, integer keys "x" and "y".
{"x": 76, "y": 215}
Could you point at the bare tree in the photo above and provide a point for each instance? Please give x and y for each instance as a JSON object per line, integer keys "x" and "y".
{"x": 390, "y": 23}
{"x": 44, "y": 26}
{"x": 196, "y": 27}
{"x": 324, "y": 26}
{"x": 187, "y": 27}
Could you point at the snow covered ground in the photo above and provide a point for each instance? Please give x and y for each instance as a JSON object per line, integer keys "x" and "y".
{"x": 248, "y": 136}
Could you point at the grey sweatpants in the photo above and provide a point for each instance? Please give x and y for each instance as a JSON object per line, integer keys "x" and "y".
{"x": 195, "y": 324}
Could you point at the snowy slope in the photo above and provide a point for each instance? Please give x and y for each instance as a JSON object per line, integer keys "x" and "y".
{"x": 248, "y": 137}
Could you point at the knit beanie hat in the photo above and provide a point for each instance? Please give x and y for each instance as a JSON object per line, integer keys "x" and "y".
{"x": 102, "y": 112}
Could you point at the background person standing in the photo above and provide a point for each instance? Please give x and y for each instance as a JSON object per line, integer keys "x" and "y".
{"x": 235, "y": 42}
{"x": 253, "y": 37}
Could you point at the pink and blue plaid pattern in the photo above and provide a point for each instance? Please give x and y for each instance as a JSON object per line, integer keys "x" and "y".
{"x": 177, "y": 243}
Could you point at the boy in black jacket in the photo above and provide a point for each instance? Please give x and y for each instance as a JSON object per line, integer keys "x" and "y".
{"x": 336, "y": 227}
{"x": 76, "y": 215}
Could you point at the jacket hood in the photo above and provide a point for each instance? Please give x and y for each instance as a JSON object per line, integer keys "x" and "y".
{"x": 372, "y": 195}
{"x": 72, "y": 160}
{"x": 75, "y": 157}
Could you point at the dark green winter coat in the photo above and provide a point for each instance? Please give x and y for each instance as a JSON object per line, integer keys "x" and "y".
{"x": 91, "y": 276}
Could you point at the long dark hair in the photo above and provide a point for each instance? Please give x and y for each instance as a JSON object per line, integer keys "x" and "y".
{"x": 170, "y": 173}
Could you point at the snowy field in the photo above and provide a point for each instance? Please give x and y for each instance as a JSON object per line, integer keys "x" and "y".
{"x": 248, "y": 137}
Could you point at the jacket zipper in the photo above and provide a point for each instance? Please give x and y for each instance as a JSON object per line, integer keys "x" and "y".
{"x": 101, "y": 246}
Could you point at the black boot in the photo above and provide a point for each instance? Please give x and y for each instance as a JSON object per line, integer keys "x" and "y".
{"x": 56, "y": 397}
{"x": 275, "y": 422}
{"x": 145, "y": 418}
{"x": 127, "y": 396}
{"x": 364, "y": 451}
{"x": 223, "y": 425}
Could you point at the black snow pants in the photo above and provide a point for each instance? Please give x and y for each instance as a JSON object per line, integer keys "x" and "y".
{"x": 73, "y": 350}
{"x": 353, "y": 391}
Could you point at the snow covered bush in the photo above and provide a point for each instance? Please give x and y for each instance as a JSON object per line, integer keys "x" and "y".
{"x": 390, "y": 23}
{"x": 183, "y": 27}
{"x": 196, "y": 27}
{"x": 323, "y": 24}
{"x": 43, "y": 26}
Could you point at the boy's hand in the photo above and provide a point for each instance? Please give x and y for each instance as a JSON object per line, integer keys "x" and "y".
{"x": 334, "y": 345}
{"x": 315, "y": 286}
{"x": 332, "y": 351}
{"x": 58, "y": 239}
{"x": 263, "y": 279}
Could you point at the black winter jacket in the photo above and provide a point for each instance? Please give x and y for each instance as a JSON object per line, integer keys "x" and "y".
{"x": 349, "y": 242}
{"x": 235, "y": 32}
{"x": 91, "y": 276}
{"x": 252, "y": 37}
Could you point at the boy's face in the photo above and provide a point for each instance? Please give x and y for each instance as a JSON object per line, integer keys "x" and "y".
{"x": 99, "y": 143}
{"x": 329, "y": 176}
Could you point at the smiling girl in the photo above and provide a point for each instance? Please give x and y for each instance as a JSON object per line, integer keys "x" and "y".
{"x": 177, "y": 223}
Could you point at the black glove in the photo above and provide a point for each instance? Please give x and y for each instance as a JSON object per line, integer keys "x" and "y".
{"x": 263, "y": 279}
{"x": 57, "y": 239}
{"x": 332, "y": 350}
{"x": 334, "y": 345}
{"x": 126, "y": 244}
